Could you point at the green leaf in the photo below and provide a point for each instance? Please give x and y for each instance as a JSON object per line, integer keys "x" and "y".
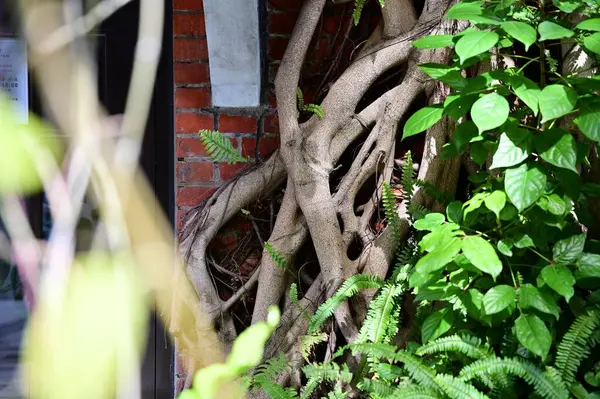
{"x": 588, "y": 265}
{"x": 498, "y": 298}
{"x": 588, "y": 119}
{"x": 482, "y": 255}
{"x": 556, "y": 101}
{"x": 444, "y": 253}
{"x": 531, "y": 297}
{"x": 436, "y": 324}
{"x": 430, "y": 221}
{"x": 422, "y": 120}
{"x": 523, "y": 241}
{"x": 434, "y": 41}
{"x": 551, "y": 31}
{"x": 592, "y": 24}
{"x": 560, "y": 279}
{"x": 566, "y": 251}
{"x": 524, "y": 185}
{"x": 513, "y": 148}
{"x": 436, "y": 71}
{"x": 454, "y": 211}
{"x": 533, "y": 334}
{"x": 495, "y": 202}
{"x": 557, "y": 147}
{"x": 473, "y": 302}
{"x": 505, "y": 246}
{"x": 463, "y": 10}
{"x": 479, "y": 153}
{"x": 556, "y": 205}
{"x": 457, "y": 105}
{"x": 521, "y": 31}
{"x": 592, "y": 42}
{"x": 567, "y": 6}
{"x": 475, "y": 43}
{"x": 490, "y": 112}
{"x": 527, "y": 90}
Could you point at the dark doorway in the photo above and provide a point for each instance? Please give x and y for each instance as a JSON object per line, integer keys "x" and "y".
{"x": 115, "y": 46}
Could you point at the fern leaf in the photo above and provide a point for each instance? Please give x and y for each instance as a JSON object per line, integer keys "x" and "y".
{"x": 294, "y": 298}
{"x": 276, "y": 391}
{"x": 457, "y": 389}
{"x": 272, "y": 368}
{"x": 348, "y": 289}
{"x": 408, "y": 178}
{"x": 300, "y": 98}
{"x": 417, "y": 211}
{"x": 468, "y": 346}
{"x": 377, "y": 350}
{"x": 389, "y": 205}
{"x": 219, "y": 147}
{"x": 278, "y": 259}
{"x": 418, "y": 371}
{"x": 574, "y": 346}
{"x": 415, "y": 392}
{"x": 545, "y": 384}
{"x": 376, "y": 387}
{"x": 383, "y": 316}
{"x": 358, "y": 7}
{"x": 442, "y": 197}
{"x": 315, "y": 109}
{"x": 328, "y": 372}
{"x": 309, "y": 388}
{"x": 307, "y": 342}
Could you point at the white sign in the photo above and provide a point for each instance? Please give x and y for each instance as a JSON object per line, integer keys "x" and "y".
{"x": 13, "y": 75}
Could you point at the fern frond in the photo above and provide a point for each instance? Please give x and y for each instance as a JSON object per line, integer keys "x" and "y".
{"x": 328, "y": 372}
{"x": 315, "y": 109}
{"x": 418, "y": 371}
{"x": 415, "y": 392}
{"x": 348, "y": 289}
{"x": 442, "y": 197}
{"x": 294, "y": 298}
{"x": 378, "y": 388}
{"x": 391, "y": 215}
{"x": 276, "y": 391}
{"x": 574, "y": 346}
{"x": 457, "y": 389}
{"x": 383, "y": 316}
{"x": 545, "y": 384}
{"x": 417, "y": 211}
{"x": 219, "y": 147}
{"x": 300, "y": 98}
{"x": 377, "y": 350}
{"x": 276, "y": 255}
{"x": 358, "y": 7}
{"x": 468, "y": 346}
{"x": 408, "y": 178}
{"x": 309, "y": 388}
{"x": 405, "y": 258}
{"x": 272, "y": 367}
{"x": 307, "y": 342}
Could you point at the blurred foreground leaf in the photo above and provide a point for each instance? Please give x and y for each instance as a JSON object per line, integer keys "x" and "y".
{"x": 75, "y": 347}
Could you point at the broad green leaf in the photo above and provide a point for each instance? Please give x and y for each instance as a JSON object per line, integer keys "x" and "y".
{"x": 475, "y": 43}
{"x": 521, "y": 31}
{"x": 434, "y": 41}
{"x": 454, "y": 211}
{"x": 556, "y": 101}
{"x": 498, "y": 298}
{"x": 567, "y": 250}
{"x": 436, "y": 324}
{"x": 567, "y": 6}
{"x": 513, "y": 148}
{"x": 505, "y": 246}
{"x": 560, "y": 279}
{"x": 439, "y": 237}
{"x": 463, "y": 134}
{"x": 482, "y": 255}
{"x": 588, "y": 119}
{"x": 473, "y": 302}
{"x": 479, "y": 153}
{"x": 592, "y": 42}
{"x": 490, "y": 112}
{"x": 443, "y": 254}
{"x": 422, "y": 120}
{"x": 558, "y": 147}
{"x": 551, "y": 31}
{"x": 509, "y": 213}
{"x": 533, "y": 334}
{"x": 474, "y": 203}
{"x": 430, "y": 221}
{"x": 463, "y": 10}
{"x": 506, "y": 3}
{"x": 495, "y": 202}
{"x": 524, "y": 185}
{"x": 531, "y": 297}
{"x": 592, "y": 24}
{"x": 588, "y": 265}
{"x": 457, "y": 105}
{"x": 527, "y": 90}
{"x": 435, "y": 70}
{"x": 523, "y": 241}
{"x": 556, "y": 205}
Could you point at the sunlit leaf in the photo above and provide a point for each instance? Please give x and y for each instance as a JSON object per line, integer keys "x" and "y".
{"x": 498, "y": 298}
{"x": 521, "y": 31}
{"x": 524, "y": 185}
{"x": 558, "y": 147}
{"x": 434, "y": 41}
{"x": 551, "y": 31}
{"x": 592, "y": 24}
{"x": 556, "y": 101}
{"x": 588, "y": 119}
{"x": 513, "y": 148}
{"x": 560, "y": 279}
{"x": 592, "y": 42}
{"x": 422, "y": 120}
{"x": 567, "y": 250}
{"x": 482, "y": 255}
{"x": 533, "y": 334}
{"x": 475, "y": 43}
{"x": 436, "y": 324}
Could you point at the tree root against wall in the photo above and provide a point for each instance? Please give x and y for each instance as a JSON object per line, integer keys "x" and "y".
{"x": 312, "y": 209}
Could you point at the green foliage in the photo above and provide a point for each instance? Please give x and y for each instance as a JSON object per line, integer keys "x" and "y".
{"x": 276, "y": 256}
{"x": 219, "y": 147}
{"x": 312, "y": 108}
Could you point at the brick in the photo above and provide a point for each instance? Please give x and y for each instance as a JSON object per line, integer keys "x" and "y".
{"x": 189, "y": 24}
{"x": 188, "y": 5}
{"x": 224, "y": 242}
{"x": 196, "y": 73}
{"x": 285, "y": 4}
{"x": 271, "y": 124}
{"x": 266, "y": 146}
{"x": 272, "y": 99}
{"x": 192, "y": 97}
{"x": 188, "y": 122}
{"x": 321, "y": 50}
{"x": 281, "y": 23}
{"x": 190, "y": 50}
{"x": 237, "y": 124}
{"x": 332, "y": 24}
{"x": 276, "y": 47}
{"x": 228, "y": 172}
{"x": 192, "y": 196}
{"x": 195, "y": 172}
{"x": 193, "y": 147}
